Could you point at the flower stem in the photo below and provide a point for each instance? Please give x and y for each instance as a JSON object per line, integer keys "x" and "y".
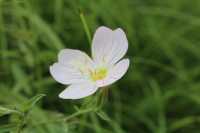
{"x": 85, "y": 26}
{"x": 80, "y": 113}
{"x": 21, "y": 124}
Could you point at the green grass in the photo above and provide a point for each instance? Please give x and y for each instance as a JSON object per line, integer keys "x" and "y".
{"x": 159, "y": 94}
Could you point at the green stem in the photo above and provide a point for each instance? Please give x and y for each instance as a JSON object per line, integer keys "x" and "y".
{"x": 85, "y": 26}
{"x": 102, "y": 98}
{"x": 79, "y": 113}
{"x": 21, "y": 124}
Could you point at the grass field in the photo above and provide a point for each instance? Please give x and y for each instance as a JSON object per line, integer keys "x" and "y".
{"x": 159, "y": 94}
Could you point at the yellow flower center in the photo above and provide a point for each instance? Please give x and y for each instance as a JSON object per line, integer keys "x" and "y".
{"x": 98, "y": 74}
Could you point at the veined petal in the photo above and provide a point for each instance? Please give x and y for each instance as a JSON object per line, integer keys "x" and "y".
{"x": 79, "y": 61}
{"x": 78, "y": 91}
{"x": 119, "y": 46}
{"x": 108, "y": 46}
{"x": 102, "y": 38}
{"x": 65, "y": 75}
{"x": 71, "y": 57}
{"x": 115, "y": 73}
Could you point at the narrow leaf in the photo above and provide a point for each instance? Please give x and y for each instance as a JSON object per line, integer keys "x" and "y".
{"x": 6, "y": 111}
{"x": 29, "y": 104}
{"x": 103, "y": 116}
{"x": 7, "y": 128}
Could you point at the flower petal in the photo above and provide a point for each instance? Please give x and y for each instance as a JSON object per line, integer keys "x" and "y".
{"x": 115, "y": 73}
{"x": 108, "y": 46}
{"x": 65, "y": 75}
{"x": 74, "y": 57}
{"x": 73, "y": 66}
{"x": 78, "y": 91}
{"x": 101, "y": 39}
{"x": 119, "y": 46}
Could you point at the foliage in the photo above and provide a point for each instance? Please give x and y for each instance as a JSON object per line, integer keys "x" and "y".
{"x": 159, "y": 94}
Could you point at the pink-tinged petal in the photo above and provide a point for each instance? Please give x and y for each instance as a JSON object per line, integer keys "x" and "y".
{"x": 78, "y": 91}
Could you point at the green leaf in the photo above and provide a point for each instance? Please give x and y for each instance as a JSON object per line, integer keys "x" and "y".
{"x": 30, "y": 103}
{"x": 103, "y": 115}
{"x": 76, "y": 108}
{"x": 184, "y": 122}
{"x": 7, "y": 128}
{"x": 6, "y": 111}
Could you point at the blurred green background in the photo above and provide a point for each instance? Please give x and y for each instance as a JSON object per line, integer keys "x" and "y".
{"x": 159, "y": 94}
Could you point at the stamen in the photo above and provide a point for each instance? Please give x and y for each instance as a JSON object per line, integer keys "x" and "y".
{"x": 98, "y": 74}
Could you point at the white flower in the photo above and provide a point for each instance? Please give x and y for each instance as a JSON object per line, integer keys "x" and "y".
{"x": 85, "y": 75}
